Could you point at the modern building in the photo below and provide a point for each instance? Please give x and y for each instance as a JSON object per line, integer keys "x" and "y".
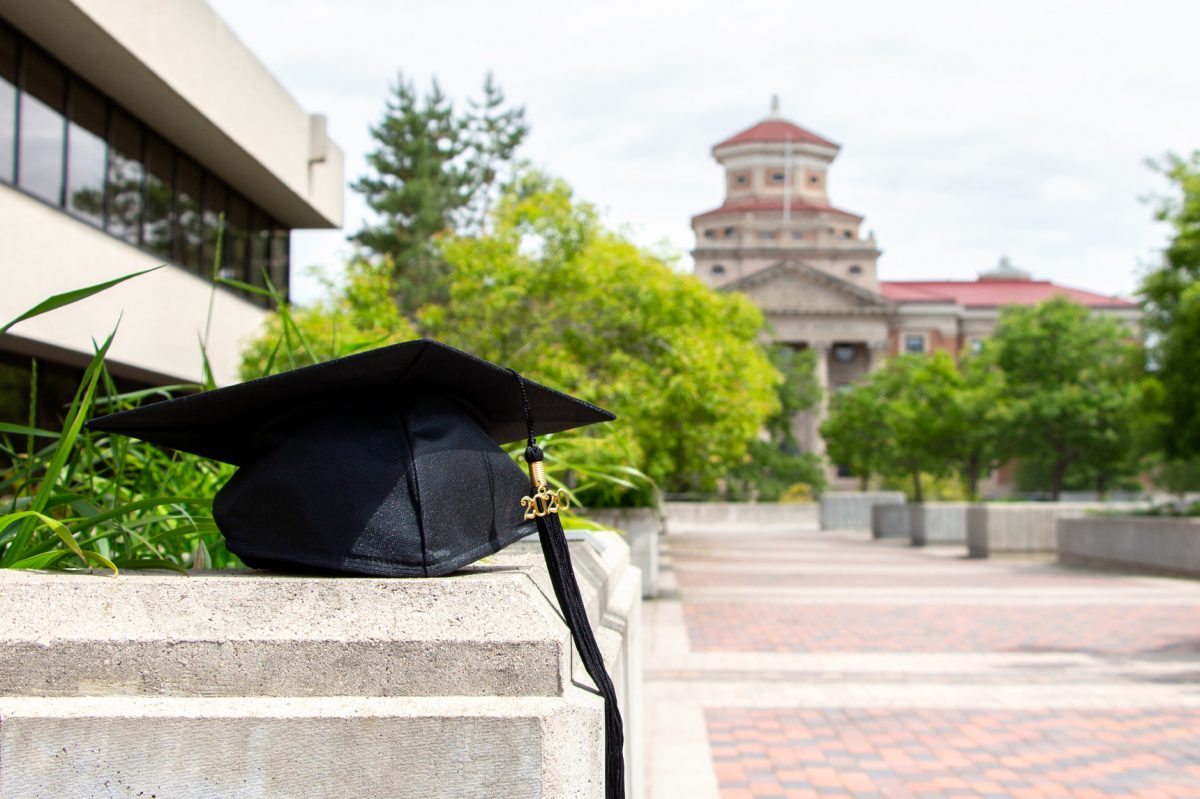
{"x": 127, "y": 132}
{"x": 778, "y": 239}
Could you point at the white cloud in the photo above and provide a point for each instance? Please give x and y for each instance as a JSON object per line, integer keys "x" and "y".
{"x": 968, "y": 129}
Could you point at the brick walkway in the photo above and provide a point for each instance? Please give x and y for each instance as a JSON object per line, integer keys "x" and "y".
{"x": 808, "y": 664}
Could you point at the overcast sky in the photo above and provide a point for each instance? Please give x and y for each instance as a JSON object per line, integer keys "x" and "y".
{"x": 969, "y": 129}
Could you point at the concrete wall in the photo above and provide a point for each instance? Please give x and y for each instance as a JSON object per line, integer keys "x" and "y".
{"x": 1022, "y": 527}
{"x": 851, "y": 510}
{"x": 699, "y": 516}
{"x": 641, "y": 528}
{"x": 939, "y": 523}
{"x": 1167, "y": 546}
{"x": 181, "y": 69}
{"x": 254, "y": 685}
{"x": 890, "y": 521}
{"x": 162, "y": 315}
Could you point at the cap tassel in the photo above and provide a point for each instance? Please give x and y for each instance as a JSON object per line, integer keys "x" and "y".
{"x": 544, "y": 512}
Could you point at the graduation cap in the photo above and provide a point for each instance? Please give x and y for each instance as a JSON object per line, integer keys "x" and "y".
{"x": 388, "y": 463}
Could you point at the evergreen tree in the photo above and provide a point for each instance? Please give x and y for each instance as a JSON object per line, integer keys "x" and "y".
{"x": 432, "y": 173}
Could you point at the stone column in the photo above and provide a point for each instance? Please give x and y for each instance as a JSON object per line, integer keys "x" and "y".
{"x": 877, "y": 352}
{"x": 821, "y": 348}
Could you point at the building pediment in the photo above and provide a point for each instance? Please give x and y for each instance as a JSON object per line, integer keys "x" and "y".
{"x": 794, "y": 287}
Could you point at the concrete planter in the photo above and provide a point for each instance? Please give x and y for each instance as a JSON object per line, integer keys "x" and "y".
{"x": 736, "y": 516}
{"x": 851, "y": 510}
{"x": 890, "y": 521}
{"x": 641, "y": 527}
{"x": 1022, "y": 527}
{"x": 254, "y": 685}
{"x": 1160, "y": 545}
{"x": 939, "y": 523}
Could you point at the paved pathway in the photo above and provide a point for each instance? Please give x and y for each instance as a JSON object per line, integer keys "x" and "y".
{"x": 808, "y": 664}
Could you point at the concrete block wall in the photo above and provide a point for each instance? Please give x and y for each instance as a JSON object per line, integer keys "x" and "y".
{"x": 1160, "y": 545}
{"x": 701, "y": 516}
{"x": 939, "y": 523}
{"x": 891, "y": 521}
{"x": 851, "y": 510}
{"x": 244, "y": 684}
{"x": 1022, "y": 527}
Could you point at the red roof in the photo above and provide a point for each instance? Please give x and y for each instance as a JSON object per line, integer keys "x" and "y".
{"x": 776, "y": 130}
{"x": 773, "y": 205}
{"x": 992, "y": 293}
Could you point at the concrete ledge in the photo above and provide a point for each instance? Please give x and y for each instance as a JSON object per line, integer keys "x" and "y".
{"x": 1022, "y": 527}
{"x": 939, "y": 523}
{"x": 251, "y": 684}
{"x": 641, "y": 528}
{"x": 1157, "y": 545}
{"x": 851, "y": 510}
{"x": 891, "y": 521}
{"x": 700, "y": 516}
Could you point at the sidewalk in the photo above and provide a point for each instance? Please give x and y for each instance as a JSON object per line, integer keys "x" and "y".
{"x": 809, "y": 664}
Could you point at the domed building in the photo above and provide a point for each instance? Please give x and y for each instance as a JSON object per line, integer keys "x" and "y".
{"x": 778, "y": 238}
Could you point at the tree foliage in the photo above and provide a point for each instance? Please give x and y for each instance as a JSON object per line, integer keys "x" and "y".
{"x": 433, "y": 172}
{"x": 1171, "y": 296}
{"x": 1071, "y": 389}
{"x": 552, "y": 293}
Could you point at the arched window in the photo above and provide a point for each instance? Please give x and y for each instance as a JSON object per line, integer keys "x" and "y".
{"x": 855, "y": 269}
{"x": 718, "y": 269}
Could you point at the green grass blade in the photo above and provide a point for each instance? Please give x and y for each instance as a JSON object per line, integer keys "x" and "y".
{"x": 23, "y": 430}
{"x": 73, "y": 296}
{"x": 43, "y": 561}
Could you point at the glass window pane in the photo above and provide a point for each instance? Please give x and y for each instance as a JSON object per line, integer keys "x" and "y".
{"x": 189, "y": 222}
{"x": 260, "y": 247}
{"x": 237, "y": 221}
{"x": 157, "y": 219}
{"x": 86, "y": 154}
{"x": 279, "y": 260}
{"x": 42, "y": 127}
{"x": 214, "y": 208}
{"x": 8, "y": 103}
{"x": 125, "y": 176}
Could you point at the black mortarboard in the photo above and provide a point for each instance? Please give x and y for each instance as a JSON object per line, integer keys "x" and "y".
{"x": 385, "y": 462}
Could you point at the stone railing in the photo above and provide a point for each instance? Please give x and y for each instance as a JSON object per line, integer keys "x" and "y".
{"x": 851, "y": 510}
{"x": 254, "y": 685}
{"x": 1162, "y": 545}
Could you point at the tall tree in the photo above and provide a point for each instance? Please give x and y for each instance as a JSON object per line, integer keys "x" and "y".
{"x": 432, "y": 174}
{"x": 1070, "y": 388}
{"x": 1171, "y": 297}
{"x": 856, "y": 433}
{"x": 979, "y": 421}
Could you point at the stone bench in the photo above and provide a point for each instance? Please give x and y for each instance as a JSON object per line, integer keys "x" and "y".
{"x": 245, "y": 684}
{"x": 1022, "y": 527}
{"x": 1160, "y": 545}
{"x": 851, "y": 510}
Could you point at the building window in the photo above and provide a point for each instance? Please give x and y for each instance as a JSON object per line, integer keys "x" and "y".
{"x": 766, "y": 235}
{"x": 855, "y": 269}
{"x": 67, "y": 144}
{"x": 43, "y": 127}
{"x": 844, "y": 353}
{"x": 914, "y": 342}
{"x": 8, "y": 104}
{"x": 730, "y": 231}
{"x": 741, "y": 178}
{"x": 709, "y": 233}
{"x": 778, "y": 177}
{"x": 718, "y": 269}
{"x": 87, "y": 154}
{"x": 797, "y": 234}
{"x": 848, "y": 234}
{"x": 814, "y": 179}
{"x": 975, "y": 345}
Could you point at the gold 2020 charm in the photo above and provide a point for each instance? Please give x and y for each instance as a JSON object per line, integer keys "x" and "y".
{"x": 545, "y": 501}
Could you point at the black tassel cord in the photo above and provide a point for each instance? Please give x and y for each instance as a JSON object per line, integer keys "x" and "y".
{"x": 566, "y": 591}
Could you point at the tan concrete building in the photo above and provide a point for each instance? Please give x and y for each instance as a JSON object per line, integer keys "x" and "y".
{"x": 126, "y": 131}
{"x": 778, "y": 239}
